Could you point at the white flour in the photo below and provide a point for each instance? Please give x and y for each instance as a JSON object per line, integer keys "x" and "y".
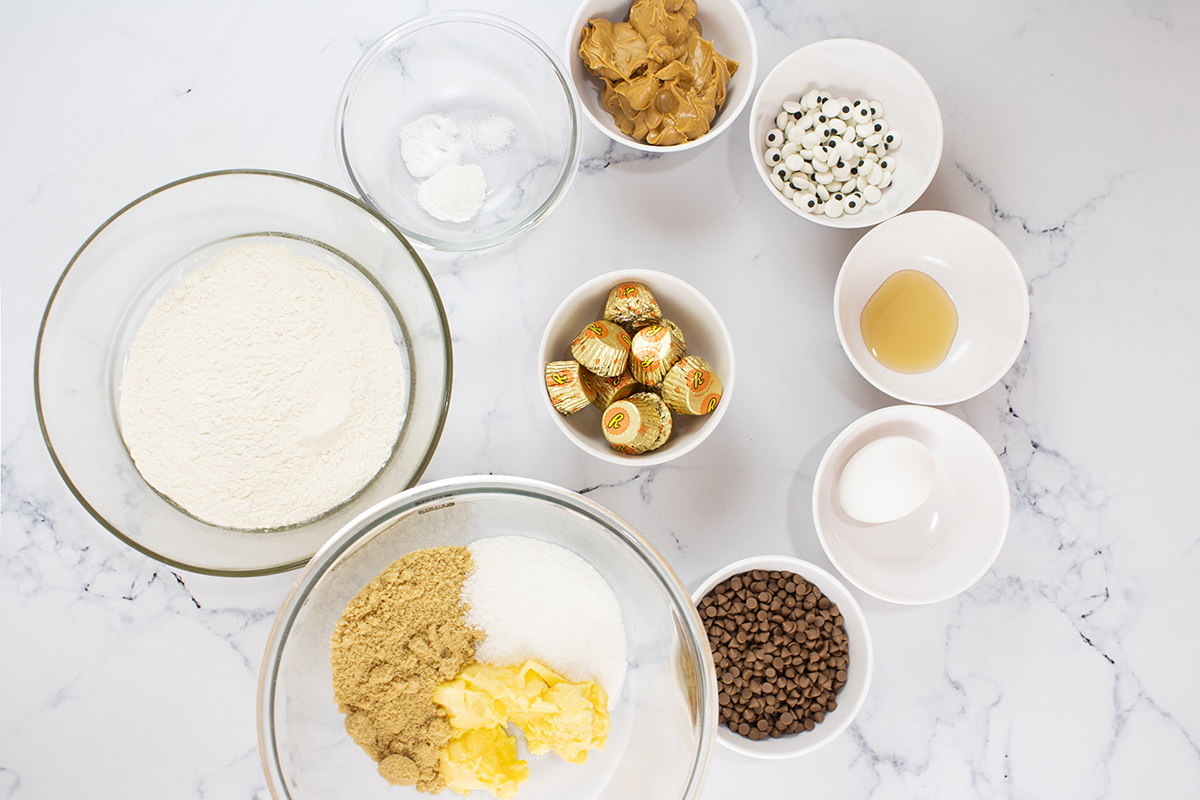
{"x": 263, "y": 390}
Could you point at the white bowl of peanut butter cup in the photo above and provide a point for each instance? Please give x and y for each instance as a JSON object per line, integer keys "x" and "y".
{"x": 680, "y": 302}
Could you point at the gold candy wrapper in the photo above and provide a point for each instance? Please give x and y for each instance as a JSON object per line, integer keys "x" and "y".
{"x": 631, "y": 304}
{"x": 654, "y": 350}
{"x": 664, "y": 417}
{"x": 610, "y": 390}
{"x": 632, "y": 426}
{"x": 603, "y": 348}
{"x": 571, "y": 387}
{"x": 691, "y": 387}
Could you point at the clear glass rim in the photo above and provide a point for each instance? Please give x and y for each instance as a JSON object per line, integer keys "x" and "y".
{"x": 37, "y": 392}
{"x": 374, "y": 521}
{"x": 570, "y": 164}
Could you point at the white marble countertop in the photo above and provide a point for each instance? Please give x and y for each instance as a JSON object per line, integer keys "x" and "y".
{"x": 1070, "y": 132}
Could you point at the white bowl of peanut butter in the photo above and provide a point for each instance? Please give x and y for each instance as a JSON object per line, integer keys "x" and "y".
{"x": 666, "y": 113}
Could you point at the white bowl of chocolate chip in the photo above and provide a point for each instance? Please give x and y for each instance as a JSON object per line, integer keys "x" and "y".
{"x": 792, "y": 654}
{"x": 837, "y": 117}
{"x": 705, "y": 338}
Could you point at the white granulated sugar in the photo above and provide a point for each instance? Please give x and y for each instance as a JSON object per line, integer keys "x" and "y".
{"x": 534, "y": 599}
{"x": 264, "y": 390}
{"x": 492, "y": 134}
{"x": 429, "y": 143}
{"x": 454, "y": 193}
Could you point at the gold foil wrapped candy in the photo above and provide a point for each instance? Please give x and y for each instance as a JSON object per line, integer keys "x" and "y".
{"x": 571, "y": 387}
{"x": 602, "y": 347}
{"x": 609, "y": 390}
{"x": 663, "y": 84}
{"x": 632, "y": 304}
{"x": 691, "y": 387}
{"x": 632, "y": 425}
{"x": 664, "y": 417}
{"x": 654, "y": 350}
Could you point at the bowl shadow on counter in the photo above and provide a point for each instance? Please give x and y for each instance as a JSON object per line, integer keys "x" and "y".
{"x": 803, "y": 531}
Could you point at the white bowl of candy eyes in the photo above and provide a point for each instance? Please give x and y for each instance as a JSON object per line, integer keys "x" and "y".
{"x": 826, "y": 130}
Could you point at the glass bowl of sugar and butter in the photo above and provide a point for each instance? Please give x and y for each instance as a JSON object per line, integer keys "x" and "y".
{"x": 353, "y": 670}
{"x": 236, "y": 365}
{"x": 461, "y": 128}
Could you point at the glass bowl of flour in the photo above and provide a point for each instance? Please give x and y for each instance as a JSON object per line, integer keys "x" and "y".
{"x": 553, "y": 577}
{"x": 236, "y": 365}
{"x": 461, "y": 128}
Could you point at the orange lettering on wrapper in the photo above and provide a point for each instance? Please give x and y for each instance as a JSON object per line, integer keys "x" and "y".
{"x": 616, "y": 421}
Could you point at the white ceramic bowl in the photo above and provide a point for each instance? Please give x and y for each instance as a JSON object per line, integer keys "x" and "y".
{"x": 976, "y": 270}
{"x": 858, "y": 677}
{"x": 857, "y": 69}
{"x": 681, "y": 303}
{"x": 476, "y": 70}
{"x": 723, "y": 22}
{"x": 944, "y": 546}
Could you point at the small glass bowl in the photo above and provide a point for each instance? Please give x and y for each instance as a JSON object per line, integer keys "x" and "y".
{"x": 663, "y": 722}
{"x": 469, "y": 67}
{"x": 142, "y": 252}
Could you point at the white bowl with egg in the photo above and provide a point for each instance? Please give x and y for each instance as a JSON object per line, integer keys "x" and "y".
{"x": 855, "y": 69}
{"x": 703, "y": 329}
{"x": 942, "y": 540}
{"x": 723, "y": 22}
{"x": 853, "y": 694}
{"x": 983, "y": 281}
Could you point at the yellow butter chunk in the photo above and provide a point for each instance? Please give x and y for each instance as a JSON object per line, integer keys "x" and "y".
{"x": 553, "y": 713}
{"x": 483, "y": 758}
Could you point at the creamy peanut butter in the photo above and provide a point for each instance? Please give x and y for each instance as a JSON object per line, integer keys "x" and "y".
{"x": 663, "y": 84}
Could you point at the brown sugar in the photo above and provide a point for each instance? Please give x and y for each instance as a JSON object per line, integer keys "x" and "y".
{"x": 402, "y": 635}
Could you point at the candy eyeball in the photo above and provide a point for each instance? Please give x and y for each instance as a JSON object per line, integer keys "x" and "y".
{"x": 830, "y": 155}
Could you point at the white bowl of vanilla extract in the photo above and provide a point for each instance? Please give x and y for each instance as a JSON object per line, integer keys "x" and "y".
{"x": 931, "y": 308}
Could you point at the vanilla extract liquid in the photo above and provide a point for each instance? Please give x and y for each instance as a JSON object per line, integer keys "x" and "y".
{"x": 909, "y": 323}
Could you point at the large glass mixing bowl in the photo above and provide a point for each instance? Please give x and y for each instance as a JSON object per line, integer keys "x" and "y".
{"x": 663, "y": 723}
{"x": 140, "y": 254}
